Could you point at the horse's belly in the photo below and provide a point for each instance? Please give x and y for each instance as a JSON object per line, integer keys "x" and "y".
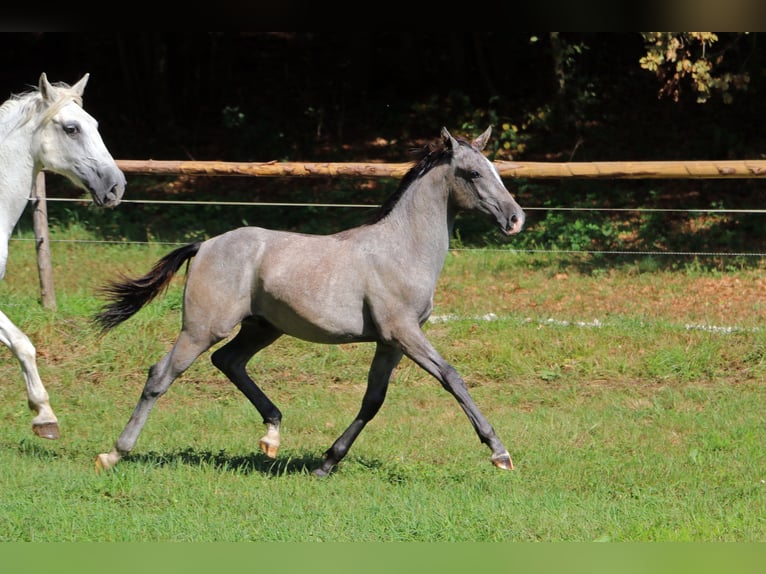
{"x": 338, "y": 324}
{"x": 322, "y": 332}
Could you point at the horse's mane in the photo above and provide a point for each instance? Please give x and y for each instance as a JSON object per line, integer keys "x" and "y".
{"x": 426, "y": 158}
{"x": 18, "y": 109}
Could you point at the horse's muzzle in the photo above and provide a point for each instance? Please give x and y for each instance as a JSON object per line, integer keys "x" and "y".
{"x": 112, "y": 196}
{"x": 515, "y": 224}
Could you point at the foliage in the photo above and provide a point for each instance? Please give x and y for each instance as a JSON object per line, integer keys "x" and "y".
{"x": 679, "y": 58}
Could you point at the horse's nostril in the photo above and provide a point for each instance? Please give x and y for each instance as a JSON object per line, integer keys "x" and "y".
{"x": 514, "y": 218}
{"x": 117, "y": 190}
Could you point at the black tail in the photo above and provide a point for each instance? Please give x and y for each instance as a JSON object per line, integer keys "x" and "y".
{"x": 127, "y": 296}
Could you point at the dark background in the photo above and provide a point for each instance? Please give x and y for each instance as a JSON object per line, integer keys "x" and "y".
{"x": 319, "y": 95}
{"x": 330, "y": 96}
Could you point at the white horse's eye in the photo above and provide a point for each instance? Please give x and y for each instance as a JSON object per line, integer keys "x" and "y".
{"x": 474, "y": 174}
{"x": 71, "y": 129}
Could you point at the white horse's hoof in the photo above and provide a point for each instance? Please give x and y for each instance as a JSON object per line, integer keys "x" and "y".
{"x": 46, "y": 430}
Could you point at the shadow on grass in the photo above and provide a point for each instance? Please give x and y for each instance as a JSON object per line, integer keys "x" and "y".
{"x": 256, "y": 462}
{"x": 34, "y": 449}
{"x": 245, "y": 464}
{"x": 253, "y": 463}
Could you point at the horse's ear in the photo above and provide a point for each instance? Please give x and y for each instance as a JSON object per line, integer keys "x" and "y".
{"x": 481, "y": 141}
{"x": 79, "y": 87}
{"x": 45, "y": 87}
{"x": 449, "y": 141}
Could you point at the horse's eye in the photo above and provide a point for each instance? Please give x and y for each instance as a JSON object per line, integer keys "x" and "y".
{"x": 474, "y": 174}
{"x": 71, "y": 129}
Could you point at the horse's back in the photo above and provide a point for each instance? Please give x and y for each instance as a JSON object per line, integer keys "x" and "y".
{"x": 261, "y": 250}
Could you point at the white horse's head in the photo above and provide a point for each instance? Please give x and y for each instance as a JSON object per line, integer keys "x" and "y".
{"x": 67, "y": 142}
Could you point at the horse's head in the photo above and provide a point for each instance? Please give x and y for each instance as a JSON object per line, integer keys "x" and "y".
{"x": 67, "y": 142}
{"x": 476, "y": 185}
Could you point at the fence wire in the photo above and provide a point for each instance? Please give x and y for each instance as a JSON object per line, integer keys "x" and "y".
{"x": 373, "y": 205}
{"x": 85, "y": 201}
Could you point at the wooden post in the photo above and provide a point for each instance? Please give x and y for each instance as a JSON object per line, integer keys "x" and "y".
{"x": 43, "y": 244}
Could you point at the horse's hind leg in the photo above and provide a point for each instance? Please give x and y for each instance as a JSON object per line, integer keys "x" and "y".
{"x": 45, "y": 424}
{"x": 383, "y": 364}
{"x": 161, "y": 376}
{"x": 231, "y": 359}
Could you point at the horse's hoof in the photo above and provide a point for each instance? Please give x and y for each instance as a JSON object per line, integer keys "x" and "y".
{"x": 326, "y": 468}
{"x": 269, "y": 449}
{"x": 320, "y": 472}
{"x": 46, "y": 430}
{"x": 503, "y": 462}
{"x": 103, "y": 463}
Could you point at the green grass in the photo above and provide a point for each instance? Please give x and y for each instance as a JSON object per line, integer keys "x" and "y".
{"x": 626, "y": 420}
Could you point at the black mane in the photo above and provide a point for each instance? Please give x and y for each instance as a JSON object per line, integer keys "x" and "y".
{"x": 427, "y": 157}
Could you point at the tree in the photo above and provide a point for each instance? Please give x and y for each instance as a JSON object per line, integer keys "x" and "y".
{"x": 681, "y": 58}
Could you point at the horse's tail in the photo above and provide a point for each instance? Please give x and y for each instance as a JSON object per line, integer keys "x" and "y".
{"x": 127, "y": 296}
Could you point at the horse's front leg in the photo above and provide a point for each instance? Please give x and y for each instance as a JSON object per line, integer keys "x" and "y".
{"x": 420, "y": 350}
{"x": 383, "y": 364}
{"x": 453, "y": 382}
{"x": 44, "y": 424}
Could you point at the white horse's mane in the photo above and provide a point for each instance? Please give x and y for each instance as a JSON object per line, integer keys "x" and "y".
{"x": 20, "y": 108}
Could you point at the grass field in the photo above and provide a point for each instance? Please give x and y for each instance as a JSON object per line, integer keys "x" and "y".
{"x": 631, "y": 402}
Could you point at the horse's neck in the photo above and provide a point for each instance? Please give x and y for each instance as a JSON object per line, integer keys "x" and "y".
{"x": 17, "y": 174}
{"x": 421, "y": 222}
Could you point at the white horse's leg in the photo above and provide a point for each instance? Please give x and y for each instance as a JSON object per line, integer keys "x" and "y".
{"x": 45, "y": 424}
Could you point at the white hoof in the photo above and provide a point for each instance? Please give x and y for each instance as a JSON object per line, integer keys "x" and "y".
{"x": 106, "y": 461}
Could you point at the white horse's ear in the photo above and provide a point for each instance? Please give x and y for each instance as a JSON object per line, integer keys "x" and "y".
{"x": 481, "y": 141}
{"x": 79, "y": 87}
{"x": 449, "y": 141}
{"x": 45, "y": 87}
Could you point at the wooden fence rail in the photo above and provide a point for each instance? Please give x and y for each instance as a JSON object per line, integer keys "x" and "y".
{"x": 724, "y": 169}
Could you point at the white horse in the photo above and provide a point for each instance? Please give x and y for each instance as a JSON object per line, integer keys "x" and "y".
{"x": 47, "y": 129}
